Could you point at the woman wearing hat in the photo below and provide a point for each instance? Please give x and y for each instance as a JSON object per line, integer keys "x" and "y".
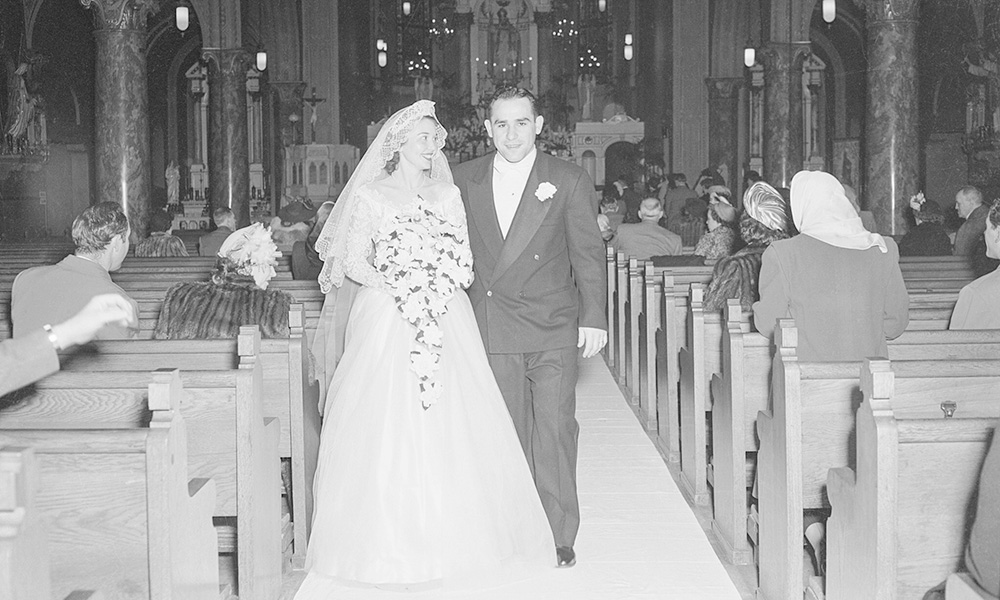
{"x": 840, "y": 282}
{"x": 237, "y": 294}
{"x": 928, "y": 238}
{"x": 721, "y": 237}
{"x": 763, "y": 221}
{"x": 293, "y": 224}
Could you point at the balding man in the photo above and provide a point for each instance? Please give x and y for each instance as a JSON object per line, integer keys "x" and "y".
{"x": 969, "y": 203}
{"x": 647, "y": 239}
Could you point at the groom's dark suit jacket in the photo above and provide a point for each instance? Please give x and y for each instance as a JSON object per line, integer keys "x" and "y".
{"x": 547, "y": 278}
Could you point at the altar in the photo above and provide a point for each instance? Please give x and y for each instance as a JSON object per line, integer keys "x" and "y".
{"x": 594, "y": 142}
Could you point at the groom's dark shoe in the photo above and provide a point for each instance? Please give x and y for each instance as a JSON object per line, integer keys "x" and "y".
{"x": 565, "y": 557}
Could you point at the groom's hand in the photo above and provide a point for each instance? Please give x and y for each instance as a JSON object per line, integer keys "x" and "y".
{"x": 591, "y": 340}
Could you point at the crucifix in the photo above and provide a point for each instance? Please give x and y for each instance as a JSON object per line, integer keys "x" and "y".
{"x": 312, "y": 101}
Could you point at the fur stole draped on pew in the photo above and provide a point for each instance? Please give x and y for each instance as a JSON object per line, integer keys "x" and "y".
{"x": 735, "y": 277}
{"x": 211, "y": 310}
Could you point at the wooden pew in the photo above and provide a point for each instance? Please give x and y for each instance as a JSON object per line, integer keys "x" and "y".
{"x": 24, "y": 550}
{"x": 701, "y": 358}
{"x": 229, "y": 442}
{"x": 664, "y": 332}
{"x": 807, "y": 432}
{"x": 122, "y": 514}
{"x": 740, "y": 389}
{"x": 897, "y": 527}
{"x": 290, "y": 395}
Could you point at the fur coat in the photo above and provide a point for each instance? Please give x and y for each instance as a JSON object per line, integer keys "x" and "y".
{"x": 735, "y": 277}
{"x": 208, "y": 310}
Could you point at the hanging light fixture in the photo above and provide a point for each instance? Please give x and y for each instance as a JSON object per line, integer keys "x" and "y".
{"x": 407, "y": 7}
{"x": 629, "y": 51}
{"x": 829, "y": 10}
{"x": 749, "y": 56}
{"x": 383, "y": 55}
{"x": 261, "y": 62}
{"x": 182, "y": 18}
{"x": 602, "y": 5}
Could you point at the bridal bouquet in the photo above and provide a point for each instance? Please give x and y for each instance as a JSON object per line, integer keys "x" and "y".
{"x": 425, "y": 259}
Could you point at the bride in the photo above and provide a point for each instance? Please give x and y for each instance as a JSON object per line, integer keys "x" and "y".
{"x": 421, "y": 477}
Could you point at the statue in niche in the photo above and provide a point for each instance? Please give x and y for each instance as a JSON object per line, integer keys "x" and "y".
{"x": 20, "y": 105}
{"x": 505, "y": 46}
{"x": 983, "y": 65}
{"x": 173, "y": 177}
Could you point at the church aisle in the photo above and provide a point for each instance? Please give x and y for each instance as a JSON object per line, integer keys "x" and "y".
{"x": 638, "y": 539}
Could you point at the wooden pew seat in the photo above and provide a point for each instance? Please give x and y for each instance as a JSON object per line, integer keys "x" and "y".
{"x": 121, "y": 512}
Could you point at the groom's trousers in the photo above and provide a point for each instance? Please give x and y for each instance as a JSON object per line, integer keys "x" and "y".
{"x": 540, "y": 391}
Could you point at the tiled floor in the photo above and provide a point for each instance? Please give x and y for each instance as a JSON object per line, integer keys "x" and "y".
{"x": 639, "y": 538}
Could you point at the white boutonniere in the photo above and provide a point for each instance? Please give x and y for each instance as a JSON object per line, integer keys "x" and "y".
{"x": 545, "y": 191}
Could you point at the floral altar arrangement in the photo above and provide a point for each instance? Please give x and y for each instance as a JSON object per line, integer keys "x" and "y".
{"x": 426, "y": 259}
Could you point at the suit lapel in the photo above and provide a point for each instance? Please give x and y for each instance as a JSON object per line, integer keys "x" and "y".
{"x": 484, "y": 214}
{"x": 527, "y": 219}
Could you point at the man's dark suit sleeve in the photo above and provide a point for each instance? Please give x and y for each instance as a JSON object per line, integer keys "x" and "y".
{"x": 25, "y": 360}
{"x": 586, "y": 253}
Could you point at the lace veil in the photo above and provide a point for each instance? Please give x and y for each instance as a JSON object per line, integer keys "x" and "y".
{"x": 332, "y": 242}
{"x": 328, "y": 341}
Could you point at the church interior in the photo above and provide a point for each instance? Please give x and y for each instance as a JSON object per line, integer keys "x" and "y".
{"x": 186, "y": 106}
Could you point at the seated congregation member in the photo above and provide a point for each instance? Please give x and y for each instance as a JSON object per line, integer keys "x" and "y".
{"x": 628, "y": 197}
{"x": 237, "y": 294}
{"x": 306, "y": 263}
{"x": 160, "y": 242}
{"x": 691, "y": 225}
{"x": 646, "y": 239}
{"x": 840, "y": 282}
{"x": 675, "y": 197}
{"x": 763, "y": 221}
{"x": 612, "y": 208}
{"x": 54, "y": 293}
{"x": 978, "y": 302}
{"x": 928, "y": 237}
{"x": 721, "y": 238}
{"x": 32, "y": 356}
{"x": 293, "y": 224}
{"x": 969, "y": 204}
{"x": 225, "y": 224}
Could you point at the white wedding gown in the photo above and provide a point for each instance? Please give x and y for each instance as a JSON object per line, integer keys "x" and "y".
{"x": 406, "y": 495}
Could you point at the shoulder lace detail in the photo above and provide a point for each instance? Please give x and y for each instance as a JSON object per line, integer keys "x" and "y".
{"x": 360, "y": 242}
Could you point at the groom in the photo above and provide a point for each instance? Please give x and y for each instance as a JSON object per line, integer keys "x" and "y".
{"x": 539, "y": 293}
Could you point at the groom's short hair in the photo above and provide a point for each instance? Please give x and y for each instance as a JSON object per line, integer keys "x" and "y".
{"x": 513, "y": 93}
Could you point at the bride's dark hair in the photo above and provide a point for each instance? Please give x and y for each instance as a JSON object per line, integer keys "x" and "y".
{"x": 393, "y": 163}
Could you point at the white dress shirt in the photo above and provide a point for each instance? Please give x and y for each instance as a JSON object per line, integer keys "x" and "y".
{"x": 509, "y": 180}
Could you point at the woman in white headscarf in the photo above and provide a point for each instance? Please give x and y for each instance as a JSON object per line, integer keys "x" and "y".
{"x": 421, "y": 478}
{"x": 840, "y": 282}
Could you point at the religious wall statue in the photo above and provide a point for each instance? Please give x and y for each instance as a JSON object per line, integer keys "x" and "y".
{"x": 20, "y": 104}
{"x": 504, "y": 22}
{"x": 173, "y": 176}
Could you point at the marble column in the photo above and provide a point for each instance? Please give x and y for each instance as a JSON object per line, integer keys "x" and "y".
{"x": 723, "y": 125}
{"x": 121, "y": 108}
{"x": 783, "y": 152}
{"x": 543, "y": 62}
{"x": 891, "y": 125}
{"x": 463, "y": 27}
{"x": 228, "y": 155}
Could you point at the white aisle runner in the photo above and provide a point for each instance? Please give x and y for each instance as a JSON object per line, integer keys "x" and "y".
{"x": 638, "y": 537}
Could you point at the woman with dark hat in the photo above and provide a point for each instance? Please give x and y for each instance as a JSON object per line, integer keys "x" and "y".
{"x": 237, "y": 294}
{"x": 928, "y": 238}
{"x": 293, "y": 224}
{"x": 762, "y": 222}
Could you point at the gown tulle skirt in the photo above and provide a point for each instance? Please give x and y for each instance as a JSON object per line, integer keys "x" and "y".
{"x": 442, "y": 496}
